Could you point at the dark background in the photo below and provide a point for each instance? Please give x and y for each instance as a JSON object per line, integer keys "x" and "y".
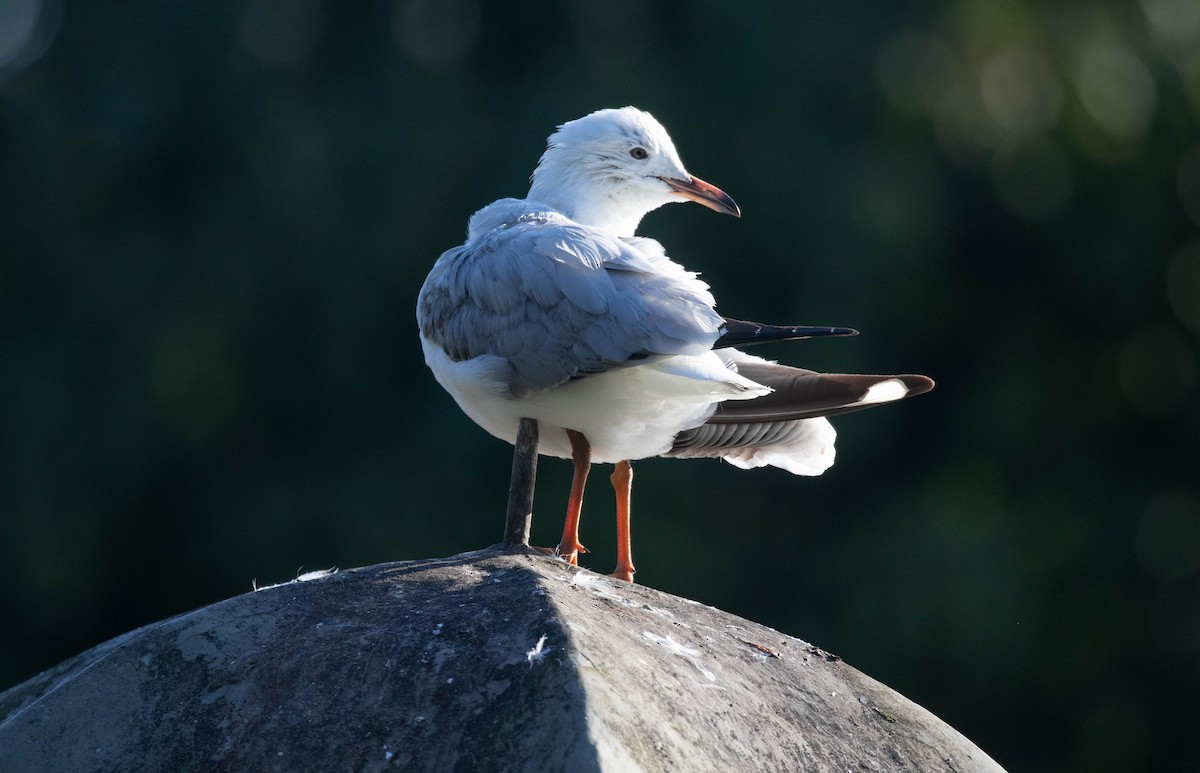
{"x": 215, "y": 218}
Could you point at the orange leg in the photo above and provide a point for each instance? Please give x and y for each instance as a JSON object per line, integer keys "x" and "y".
{"x": 622, "y": 481}
{"x": 581, "y": 455}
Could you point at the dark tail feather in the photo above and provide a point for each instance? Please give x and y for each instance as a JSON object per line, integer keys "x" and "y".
{"x": 737, "y": 332}
{"x": 804, "y": 394}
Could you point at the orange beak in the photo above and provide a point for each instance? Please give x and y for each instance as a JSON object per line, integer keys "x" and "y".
{"x": 703, "y": 193}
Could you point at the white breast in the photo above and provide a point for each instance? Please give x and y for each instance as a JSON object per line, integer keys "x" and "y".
{"x": 625, "y": 413}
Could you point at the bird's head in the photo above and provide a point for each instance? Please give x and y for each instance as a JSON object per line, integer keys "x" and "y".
{"x": 611, "y": 167}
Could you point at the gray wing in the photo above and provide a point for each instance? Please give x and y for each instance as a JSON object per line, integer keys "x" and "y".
{"x": 557, "y": 300}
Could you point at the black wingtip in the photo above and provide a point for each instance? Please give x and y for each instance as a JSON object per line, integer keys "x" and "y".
{"x": 737, "y": 332}
{"x": 917, "y": 384}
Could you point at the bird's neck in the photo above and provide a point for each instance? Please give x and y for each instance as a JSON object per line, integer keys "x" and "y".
{"x": 592, "y": 204}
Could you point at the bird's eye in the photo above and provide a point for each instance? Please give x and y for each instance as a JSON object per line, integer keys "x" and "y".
{"x": 639, "y": 153}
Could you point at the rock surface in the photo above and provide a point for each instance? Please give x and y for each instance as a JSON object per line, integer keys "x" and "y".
{"x": 482, "y": 661}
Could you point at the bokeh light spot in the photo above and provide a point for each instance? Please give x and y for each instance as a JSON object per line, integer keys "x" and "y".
{"x": 1157, "y": 370}
{"x": 18, "y": 22}
{"x": 966, "y": 133}
{"x": 1175, "y": 23}
{"x": 1021, "y": 92}
{"x": 27, "y": 27}
{"x": 1117, "y": 90}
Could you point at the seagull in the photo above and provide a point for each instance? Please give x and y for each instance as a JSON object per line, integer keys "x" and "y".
{"x": 554, "y": 310}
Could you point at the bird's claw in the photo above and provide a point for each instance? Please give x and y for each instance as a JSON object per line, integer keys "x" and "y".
{"x": 623, "y": 573}
{"x": 568, "y": 554}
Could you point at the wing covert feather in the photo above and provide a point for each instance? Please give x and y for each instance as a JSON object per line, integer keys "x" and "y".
{"x": 558, "y": 300}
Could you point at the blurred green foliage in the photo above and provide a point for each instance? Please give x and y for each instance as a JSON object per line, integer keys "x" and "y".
{"x": 215, "y": 217}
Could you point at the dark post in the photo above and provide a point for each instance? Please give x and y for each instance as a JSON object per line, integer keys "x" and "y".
{"x": 520, "y": 486}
